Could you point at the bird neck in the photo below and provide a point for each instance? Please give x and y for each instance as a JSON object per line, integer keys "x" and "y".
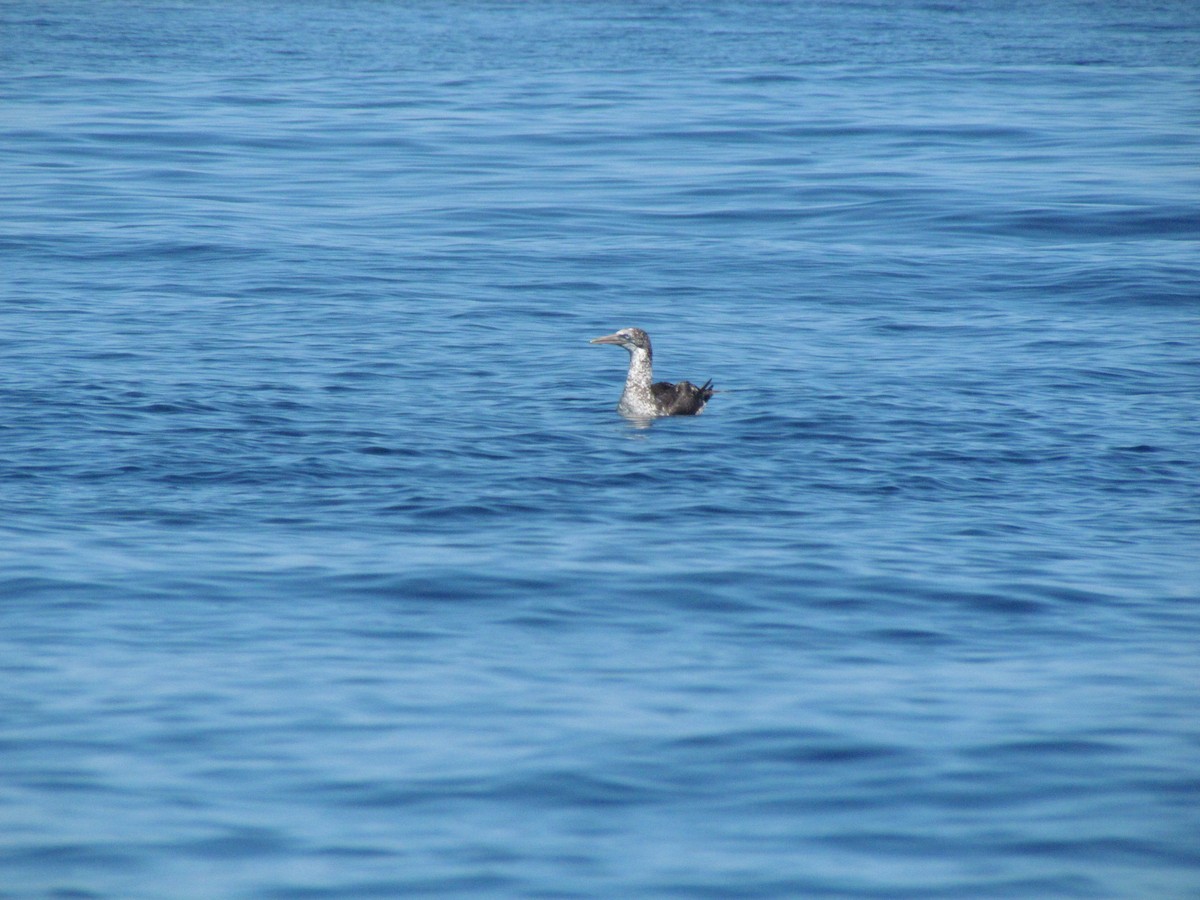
{"x": 641, "y": 371}
{"x": 638, "y": 380}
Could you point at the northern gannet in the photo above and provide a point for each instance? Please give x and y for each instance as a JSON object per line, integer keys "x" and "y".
{"x": 645, "y": 398}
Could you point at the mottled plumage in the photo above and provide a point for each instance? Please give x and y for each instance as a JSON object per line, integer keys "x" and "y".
{"x": 645, "y": 398}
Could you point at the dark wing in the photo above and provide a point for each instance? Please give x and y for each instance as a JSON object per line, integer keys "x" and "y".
{"x": 683, "y": 399}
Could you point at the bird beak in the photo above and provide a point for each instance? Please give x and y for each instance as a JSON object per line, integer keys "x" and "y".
{"x": 607, "y": 339}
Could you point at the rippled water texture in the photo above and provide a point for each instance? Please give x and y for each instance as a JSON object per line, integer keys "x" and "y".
{"x": 328, "y": 569}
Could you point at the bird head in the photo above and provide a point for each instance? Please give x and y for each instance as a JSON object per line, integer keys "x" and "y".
{"x": 629, "y": 338}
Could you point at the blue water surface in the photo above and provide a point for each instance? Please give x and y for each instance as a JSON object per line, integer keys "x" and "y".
{"x": 329, "y": 570}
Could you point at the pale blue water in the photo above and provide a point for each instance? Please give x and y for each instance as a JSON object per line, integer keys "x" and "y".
{"x": 328, "y": 569}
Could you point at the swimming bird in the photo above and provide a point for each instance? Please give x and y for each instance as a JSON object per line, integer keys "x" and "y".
{"x": 645, "y": 398}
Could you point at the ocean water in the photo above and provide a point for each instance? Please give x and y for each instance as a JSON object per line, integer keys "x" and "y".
{"x": 329, "y": 570}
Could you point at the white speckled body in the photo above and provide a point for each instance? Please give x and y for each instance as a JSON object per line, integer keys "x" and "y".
{"x": 637, "y": 398}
